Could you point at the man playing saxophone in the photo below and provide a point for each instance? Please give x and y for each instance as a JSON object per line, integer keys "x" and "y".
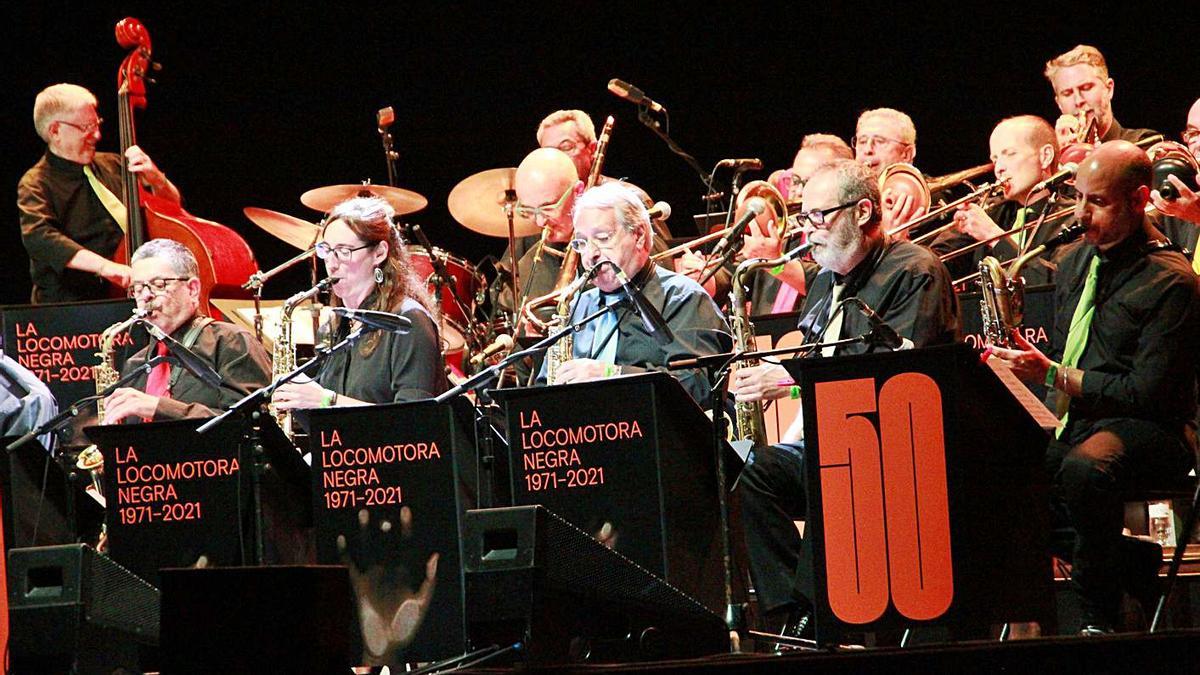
{"x": 907, "y": 287}
{"x": 165, "y": 281}
{"x": 1024, "y": 150}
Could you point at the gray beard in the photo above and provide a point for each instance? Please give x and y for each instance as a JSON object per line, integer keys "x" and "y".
{"x": 839, "y": 252}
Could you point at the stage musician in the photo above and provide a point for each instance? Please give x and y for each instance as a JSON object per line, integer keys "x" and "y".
{"x": 1024, "y": 150}
{"x": 1181, "y": 216}
{"x": 611, "y": 224}
{"x": 885, "y": 136}
{"x": 362, "y": 248}
{"x": 67, "y": 200}
{"x": 165, "y": 280}
{"x": 909, "y": 289}
{"x": 1123, "y": 372}
{"x": 1081, "y": 83}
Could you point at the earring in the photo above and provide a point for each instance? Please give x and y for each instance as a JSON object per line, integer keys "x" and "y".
{"x": 378, "y": 276}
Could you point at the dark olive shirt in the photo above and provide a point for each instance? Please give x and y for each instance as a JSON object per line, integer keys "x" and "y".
{"x": 61, "y": 214}
{"x": 1139, "y": 361}
{"x": 1117, "y": 132}
{"x": 404, "y": 367}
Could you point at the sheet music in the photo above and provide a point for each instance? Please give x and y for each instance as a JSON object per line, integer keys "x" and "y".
{"x": 1044, "y": 417}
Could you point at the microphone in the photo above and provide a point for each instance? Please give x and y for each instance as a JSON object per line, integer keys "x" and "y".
{"x": 502, "y": 343}
{"x": 1066, "y": 235}
{"x": 754, "y": 206}
{"x": 385, "y": 117}
{"x": 1065, "y": 173}
{"x": 881, "y": 333}
{"x": 748, "y": 164}
{"x": 384, "y": 321}
{"x": 660, "y": 210}
{"x": 652, "y": 320}
{"x": 633, "y": 95}
{"x": 797, "y": 252}
{"x": 186, "y": 357}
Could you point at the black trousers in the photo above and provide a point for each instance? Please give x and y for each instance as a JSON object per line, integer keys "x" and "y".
{"x": 1090, "y": 479}
{"x": 772, "y": 494}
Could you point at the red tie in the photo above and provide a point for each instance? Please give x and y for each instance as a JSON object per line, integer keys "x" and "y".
{"x": 159, "y": 381}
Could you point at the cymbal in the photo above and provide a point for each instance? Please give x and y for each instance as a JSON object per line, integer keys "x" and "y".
{"x": 323, "y": 199}
{"x": 292, "y": 230}
{"x": 478, "y": 203}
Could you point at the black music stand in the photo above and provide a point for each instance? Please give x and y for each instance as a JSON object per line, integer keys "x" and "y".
{"x": 177, "y": 498}
{"x": 62, "y": 514}
{"x": 927, "y": 502}
{"x": 652, "y": 494}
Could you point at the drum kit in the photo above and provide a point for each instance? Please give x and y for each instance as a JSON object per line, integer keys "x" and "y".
{"x": 484, "y": 203}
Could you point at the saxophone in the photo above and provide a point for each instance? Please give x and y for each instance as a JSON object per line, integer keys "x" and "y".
{"x": 566, "y": 286}
{"x": 748, "y": 415}
{"x": 283, "y": 355}
{"x": 105, "y": 374}
{"x": 1002, "y": 292}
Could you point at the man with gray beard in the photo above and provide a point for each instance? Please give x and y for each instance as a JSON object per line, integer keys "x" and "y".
{"x": 907, "y": 287}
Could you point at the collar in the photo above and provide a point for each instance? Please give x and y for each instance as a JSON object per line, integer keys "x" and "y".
{"x": 858, "y": 276}
{"x": 1142, "y": 241}
{"x": 63, "y": 164}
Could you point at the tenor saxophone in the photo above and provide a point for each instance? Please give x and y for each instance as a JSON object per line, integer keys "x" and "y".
{"x": 748, "y": 415}
{"x": 283, "y": 355}
{"x": 105, "y": 375}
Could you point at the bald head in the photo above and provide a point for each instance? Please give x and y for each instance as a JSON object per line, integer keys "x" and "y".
{"x": 1121, "y": 164}
{"x": 1114, "y": 187}
{"x": 543, "y": 178}
{"x": 1192, "y": 132}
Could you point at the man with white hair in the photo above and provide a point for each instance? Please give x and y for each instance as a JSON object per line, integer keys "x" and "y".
{"x": 882, "y": 137}
{"x": 165, "y": 281}
{"x": 612, "y": 235}
{"x": 72, "y": 219}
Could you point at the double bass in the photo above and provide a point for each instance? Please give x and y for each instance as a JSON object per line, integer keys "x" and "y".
{"x": 225, "y": 259}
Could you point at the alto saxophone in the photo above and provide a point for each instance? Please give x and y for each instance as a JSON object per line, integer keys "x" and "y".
{"x": 105, "y": 375}
{"x": 560, "y": 352}
{"x": 748, "y": 415}
{"x": 283, "y": 355}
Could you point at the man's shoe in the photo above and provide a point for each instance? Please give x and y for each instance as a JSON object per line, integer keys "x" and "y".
{"x": 1094, "y": 630}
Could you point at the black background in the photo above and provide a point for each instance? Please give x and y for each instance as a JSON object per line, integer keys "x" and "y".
{"x": 256, "y": 104}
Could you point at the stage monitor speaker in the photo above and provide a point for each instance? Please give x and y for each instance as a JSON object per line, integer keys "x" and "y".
{"x": 73, "y": 609}
{"x": 534, "y": 578}
{"x": 275, "y": 619}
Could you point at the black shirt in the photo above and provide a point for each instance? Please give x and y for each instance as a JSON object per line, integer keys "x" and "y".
{"x": 401, "y": 367}
{"x": 60, "y": 214}
{"x": 906, "y": 285}
{"x": 1118, "y": 132}
{"x": 233, "y": 353}
{"x": 697, "y": 325}
{"x": 1037, "y": 271}
{"x": 1139, "y": 361}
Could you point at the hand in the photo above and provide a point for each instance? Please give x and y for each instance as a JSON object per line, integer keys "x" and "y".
{"x": 299, "y": 395}
{"x": 1066, "y": 129}
{"x": 390, "y": 612}
{"x": 1027, "y": 362}
{"x": 581, "y": 370}
{"x": 127, "y": 402}
{"x": 141, "y": 164}
{"x": 696, "y": 266}
{"x": 761, "y": 243}
{"x": 115, "y": 273}
{"x": 972, "y": 220}
{"x": 899, "y": 209}
{"x": 759, "y": 383}
{"x": 1185, "y": 207}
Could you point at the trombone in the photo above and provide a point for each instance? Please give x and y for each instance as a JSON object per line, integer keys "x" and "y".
{"x": 779, "y": 209}
{"x": 1061, "y": 213}
{"x": 984, "y": 193}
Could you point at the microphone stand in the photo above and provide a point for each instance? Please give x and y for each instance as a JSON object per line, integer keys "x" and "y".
{"x": 252, "y": 434}
{"x": 718, "y": 367}
{"x": 653, "y": 125}
{"x": 478, "y": 380}
{"x": 59, "y": 421}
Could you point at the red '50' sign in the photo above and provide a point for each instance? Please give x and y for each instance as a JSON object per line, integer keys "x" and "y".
{"x": 885, "y": 504}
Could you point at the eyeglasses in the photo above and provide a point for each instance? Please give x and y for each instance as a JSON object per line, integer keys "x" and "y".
{"x": 545, "y": 210}
{"x": 871, "y": 140}
{"x": 600, "y": 240}
{"x": 156, "y": 286}
{"x": 817, "y": 217}
{"x": 343, "y": 252}
{"x": 1190, "y": 134}
{"x": 85, "y": 129}
{"x": 569, "y": 146}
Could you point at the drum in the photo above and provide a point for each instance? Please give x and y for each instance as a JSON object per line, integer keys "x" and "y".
{"x": 458, "y": 295}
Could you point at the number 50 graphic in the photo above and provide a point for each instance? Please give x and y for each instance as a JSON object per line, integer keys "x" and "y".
{"x": 885, "y": 506}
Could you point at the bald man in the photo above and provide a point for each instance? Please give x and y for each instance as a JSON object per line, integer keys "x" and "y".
{"x": 1182, "y": 222}
{"x": 1024, "y": 150}
{"x": 1122, "y": 369}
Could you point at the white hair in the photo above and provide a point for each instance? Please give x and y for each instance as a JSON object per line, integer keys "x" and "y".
{"x": 625, "y": 204}
{"x": 56, "y": 100}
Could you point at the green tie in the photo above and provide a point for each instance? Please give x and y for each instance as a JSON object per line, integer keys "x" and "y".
{"x": 1018, "y": 223}
{"x": 1077, "y": 336}
{"x": 111, "y": 202}
{"x": 1196, "y": 259}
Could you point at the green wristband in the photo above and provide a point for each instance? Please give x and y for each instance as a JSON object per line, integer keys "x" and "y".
{"x": 329, "y": 399}
{"x": 777, "y": 270}
{"x": 1051, "y": 374}
{"x": 794, "y": 391}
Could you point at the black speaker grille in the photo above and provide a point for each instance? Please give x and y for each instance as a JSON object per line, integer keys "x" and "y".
{"x": 119, "y": 599}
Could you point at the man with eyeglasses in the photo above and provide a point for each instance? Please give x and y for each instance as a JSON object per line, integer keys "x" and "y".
{"x": 70, "y": 200}
{"x": 1024, "y": 150}
{"x": 165, "y": 281}
{"x": 1182, "y": 221}
{"x": 907, "y": 287}
{"x": 882, "y": 137}
{"x": 612, "y": 233}
{"x": 1081, "y": 83}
